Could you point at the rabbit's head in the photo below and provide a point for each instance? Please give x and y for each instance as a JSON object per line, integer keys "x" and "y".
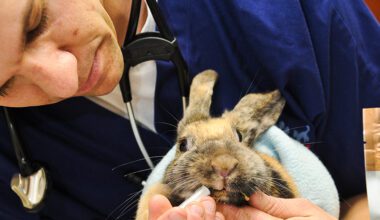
{"x": 216, "y": 152}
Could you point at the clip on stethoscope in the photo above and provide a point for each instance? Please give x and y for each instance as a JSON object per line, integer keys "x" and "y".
{"x": 138, "y": 48}
{"x": 31, "y": 183}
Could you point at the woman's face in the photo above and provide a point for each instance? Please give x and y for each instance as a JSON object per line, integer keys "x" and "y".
{"x": 52, "y": 50}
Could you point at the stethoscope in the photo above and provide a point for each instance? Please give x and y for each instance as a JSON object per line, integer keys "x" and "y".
{"x": 32, "y": 183}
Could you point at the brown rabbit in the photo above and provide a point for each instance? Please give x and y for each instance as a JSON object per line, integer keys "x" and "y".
{"x": 217, "y": 153}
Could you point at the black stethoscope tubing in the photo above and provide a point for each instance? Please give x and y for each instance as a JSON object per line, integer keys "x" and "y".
{"x": 23, "y": 160}
{"x": 162, "y": 45}
{"x": 138, "y": 48}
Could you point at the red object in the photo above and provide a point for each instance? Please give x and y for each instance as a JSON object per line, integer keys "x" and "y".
{"x": 374, "y": 6}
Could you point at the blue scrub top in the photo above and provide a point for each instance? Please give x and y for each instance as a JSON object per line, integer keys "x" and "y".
{"x": 324, "y": 56}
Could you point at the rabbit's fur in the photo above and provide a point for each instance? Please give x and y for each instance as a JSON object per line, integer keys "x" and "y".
{"x": 216, "y": 152}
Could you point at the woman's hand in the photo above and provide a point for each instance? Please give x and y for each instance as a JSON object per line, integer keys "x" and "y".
{"x": 161, "y": 209}
{"x": 271, "y": 208}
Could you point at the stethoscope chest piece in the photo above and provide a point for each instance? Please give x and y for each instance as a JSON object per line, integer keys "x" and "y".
{"x": 31, "y": 183}
{"x": 31, "y": 189}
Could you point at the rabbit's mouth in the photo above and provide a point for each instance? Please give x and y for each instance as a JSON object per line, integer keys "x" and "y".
{"x": 219, "y": 195}
{"x": 230, "y": 196}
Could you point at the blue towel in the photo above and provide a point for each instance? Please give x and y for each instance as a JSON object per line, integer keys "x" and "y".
{"x": 311, "y": 177}
{"x": 313, "y": 180}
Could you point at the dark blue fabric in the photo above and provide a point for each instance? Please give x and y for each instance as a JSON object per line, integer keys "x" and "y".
{"x": 324, "y": 56}
{"x": 79, "y": 143}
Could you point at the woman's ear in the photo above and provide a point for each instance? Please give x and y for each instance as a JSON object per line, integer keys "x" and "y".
{"x": 255, "y": 113}
{"x": 200, "y": 98}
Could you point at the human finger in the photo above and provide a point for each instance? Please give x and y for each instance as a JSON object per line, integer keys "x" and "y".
{"x": 282, "y": 208}
{"x": 175, "y": 213}
{"x": 246, "y": 213}
{"x": 158, "y": 205}
{"x": 195, "y": 211}
{"x": 209, "y": 206}
{"x": 219, "y": 216}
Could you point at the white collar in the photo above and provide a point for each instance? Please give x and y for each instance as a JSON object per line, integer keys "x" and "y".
{"x": 143, "y": 82}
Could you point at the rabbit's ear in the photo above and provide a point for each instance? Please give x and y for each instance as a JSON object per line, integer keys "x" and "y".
{"x": 200, "y": 98}
{"x": 255, "y": 113}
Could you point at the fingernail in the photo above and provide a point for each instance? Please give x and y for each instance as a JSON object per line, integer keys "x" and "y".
{"x": 209, "y": 206}
{"x": 196, "y": 210}
{"x": 176, "y": 216}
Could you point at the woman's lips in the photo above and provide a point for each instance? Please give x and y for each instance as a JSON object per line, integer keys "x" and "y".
{"x": 94, "y": 75}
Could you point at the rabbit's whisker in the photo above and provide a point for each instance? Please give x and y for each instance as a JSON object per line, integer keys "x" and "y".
{"x": 127, "y": 208}
{"x": 139, "y": 171}
{"x": 163, "y": 108}
{"x": 252, "y": 82}
{"x": 125, "y": 202}
{"x": 166, "y": 123}
{"x": 134, "y": 161}
{"x": 276, "y": 183}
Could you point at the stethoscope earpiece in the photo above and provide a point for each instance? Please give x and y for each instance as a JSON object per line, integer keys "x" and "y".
{"x": 31, "y": 189}
{"x": 138, "y": 48}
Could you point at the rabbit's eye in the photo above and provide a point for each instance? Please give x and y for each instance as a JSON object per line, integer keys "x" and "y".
{"x": 183, "y": 145}
{"x": 239, "y": 135}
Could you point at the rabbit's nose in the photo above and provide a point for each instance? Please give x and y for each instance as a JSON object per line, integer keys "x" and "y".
{"x": 224, "y": 164}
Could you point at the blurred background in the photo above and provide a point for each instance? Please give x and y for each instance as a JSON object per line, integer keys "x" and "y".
{"x": 371, "y": 127}
{"x": 374, "y": 5}
{"x": 372, "y": 148}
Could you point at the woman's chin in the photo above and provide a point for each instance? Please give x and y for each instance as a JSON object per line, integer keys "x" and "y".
{"x": 104, "y": 88}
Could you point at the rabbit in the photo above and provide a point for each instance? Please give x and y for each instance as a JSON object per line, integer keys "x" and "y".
{"x": 217, "y": 153}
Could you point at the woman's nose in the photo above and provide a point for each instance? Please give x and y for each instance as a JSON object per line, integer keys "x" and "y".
{"x": 54, "y": 71}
